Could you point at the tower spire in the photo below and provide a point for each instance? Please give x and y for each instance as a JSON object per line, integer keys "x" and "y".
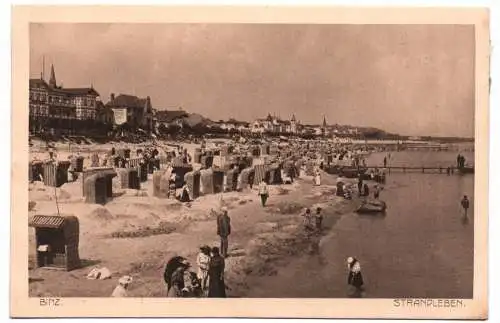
{"x": 52, "y": 81}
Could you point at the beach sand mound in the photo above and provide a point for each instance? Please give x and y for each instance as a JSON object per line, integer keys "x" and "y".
{"x": 266, "y": 226}
{"x": 49, "y": 194}
{"x": 100, "y": 212}
{"x": 163, "y": 227}
{"x": 287, "y": 208}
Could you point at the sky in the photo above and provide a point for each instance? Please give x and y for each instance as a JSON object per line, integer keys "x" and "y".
{"x": 406, "y": 79}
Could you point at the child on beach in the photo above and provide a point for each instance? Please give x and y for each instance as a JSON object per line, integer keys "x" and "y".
{"x": 308, "y": 221}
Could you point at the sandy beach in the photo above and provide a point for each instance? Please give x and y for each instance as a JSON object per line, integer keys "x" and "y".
{"x": 137, "y": 233}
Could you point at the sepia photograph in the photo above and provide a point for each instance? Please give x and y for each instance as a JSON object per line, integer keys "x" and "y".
{"x": 314, "y": 161}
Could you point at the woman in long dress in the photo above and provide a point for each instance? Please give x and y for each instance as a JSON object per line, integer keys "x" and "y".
{"x": 203, "y": 262}
{"x": 354, "y": 278}
{"x": 216, "y": 286}
{"x": 317, "y": 178}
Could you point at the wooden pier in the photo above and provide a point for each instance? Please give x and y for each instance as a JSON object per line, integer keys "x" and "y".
{"x": 424, "y": 169}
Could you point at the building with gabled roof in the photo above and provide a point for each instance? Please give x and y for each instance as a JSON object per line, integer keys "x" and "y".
{"x": 60, "y": 109}
{"x": 136, "y": 112}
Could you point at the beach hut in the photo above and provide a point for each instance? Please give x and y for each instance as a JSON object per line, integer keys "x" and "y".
{"x": 261, "y": 173}
{"x": 340, "y": 188}
{"x": 161, "y": 183}
{"x": 129, "y": 178}
{"x": 192, "y": 180}
{"x": 92, "y": 171}
{"x": 245, "y": 178}
{"x": 180, "y": 172}
{"x": 95, "y": 189}
{"x": 218, "y": 180}
{"x": 231, "y": 179}
{"x": 57, "y": 240}
{"x": 108, "y": 175}
{"x": 35, "y": 169}
{"x": 274, "y": 175}
{"x": 77, "y": 163}
{"x": 142, "y": 169}
{"x": 206, "y": 181}
{"x": 55, "y": 174}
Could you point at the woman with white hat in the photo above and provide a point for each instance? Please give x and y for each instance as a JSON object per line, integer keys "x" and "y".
{"x": 354, "y": 278}
{"x": 121, "y": 289}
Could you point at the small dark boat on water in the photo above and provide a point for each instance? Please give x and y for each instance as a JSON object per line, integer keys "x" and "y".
{"x": 371, "y": 207}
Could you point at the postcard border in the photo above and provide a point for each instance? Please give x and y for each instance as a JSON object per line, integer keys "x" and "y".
{"x": 23, "y": 306}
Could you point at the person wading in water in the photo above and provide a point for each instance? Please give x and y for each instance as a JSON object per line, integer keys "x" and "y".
{"x": 360, "y": 184}
{"x": 376, "y": 192}
{"x": 465, "y": 205}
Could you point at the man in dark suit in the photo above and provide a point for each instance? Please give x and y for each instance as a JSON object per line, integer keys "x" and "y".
{"x": 223, "y": 230}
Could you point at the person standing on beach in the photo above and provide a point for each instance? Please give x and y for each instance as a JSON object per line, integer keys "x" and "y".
{"x": 317, "y": 178}
{"x": 203, "y": 261}
{"x": 354, "y": 278}
{"x": 263, "y": 193}
{"x": 216, "y": 285}
{"x": 224, "y": 230}
{"x": 385, "y": 162}
{"x": 465, "y": 205}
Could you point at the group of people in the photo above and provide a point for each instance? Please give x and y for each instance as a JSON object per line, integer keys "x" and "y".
{"x": 209, "y": 280}
{"x": 312, "y": 222}
{"x": 181, "y": 281}
{"x": 312, "y": 225}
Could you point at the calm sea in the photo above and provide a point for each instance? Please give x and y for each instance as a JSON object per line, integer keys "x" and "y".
{"x": 421, "y": 248}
